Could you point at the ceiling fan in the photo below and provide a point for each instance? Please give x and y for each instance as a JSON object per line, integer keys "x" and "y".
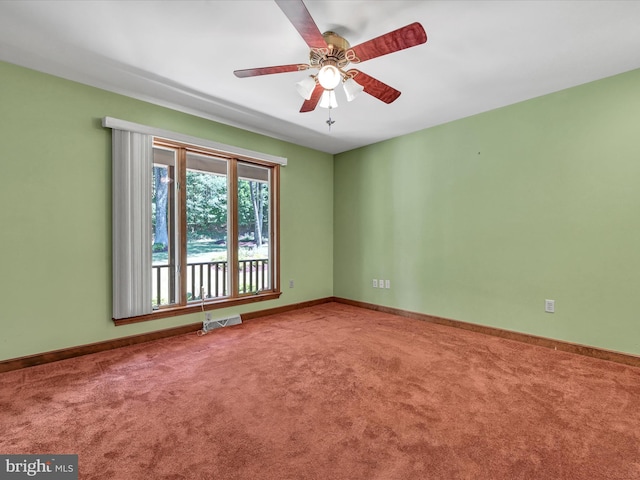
{"x": 330, "y": 54}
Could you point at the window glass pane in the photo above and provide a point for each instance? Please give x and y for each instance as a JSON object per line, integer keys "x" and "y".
{"x": 254, "y": 227}
{"x": 164, "y": 228}
{"x": 207, "y": 247}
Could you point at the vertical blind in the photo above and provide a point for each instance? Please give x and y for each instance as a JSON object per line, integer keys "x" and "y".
{"x": 131, "y": 171}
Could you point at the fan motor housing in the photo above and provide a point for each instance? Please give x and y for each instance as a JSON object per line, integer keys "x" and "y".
{"x": 335, "y": 54}
{"x": 335, "y": 41}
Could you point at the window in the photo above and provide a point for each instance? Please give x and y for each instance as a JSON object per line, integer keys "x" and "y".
{"x": 195, "y": 223}
{"x": 213, "y": 236}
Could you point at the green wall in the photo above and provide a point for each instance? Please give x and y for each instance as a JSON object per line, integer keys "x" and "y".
{"x": 482, "y": 219}
{"x": 55, "y": 211}
{"x": 478, "y": 220}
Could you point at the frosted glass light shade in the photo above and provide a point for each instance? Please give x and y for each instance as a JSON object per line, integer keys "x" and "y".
{"x": 305, "y": 87}
{"x": 328, "y": 99}
{"x": 329, "y": 77}
{"x": 352, "y": 89}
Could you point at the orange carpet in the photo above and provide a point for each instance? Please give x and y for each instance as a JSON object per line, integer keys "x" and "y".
{"x": 330, "y": 392}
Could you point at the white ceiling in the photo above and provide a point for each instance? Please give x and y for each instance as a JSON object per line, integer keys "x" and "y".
{"x": 480, "y": 55}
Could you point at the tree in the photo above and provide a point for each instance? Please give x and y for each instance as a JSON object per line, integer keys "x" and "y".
{"x": 206, "y": 209}
{"x": 257, "y": 190}
{"x": 245, "y": 209}
{"x": 206, "y": 205}
{"x": 160, "y": 191}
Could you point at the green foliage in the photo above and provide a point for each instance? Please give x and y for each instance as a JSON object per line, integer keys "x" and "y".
{"x": 246, "y": 217}
{"x": 206, "y": 205}
{"x": 159, "y": 247}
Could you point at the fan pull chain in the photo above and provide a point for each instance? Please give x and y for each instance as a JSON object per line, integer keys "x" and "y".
{"x": 330, "y": 122}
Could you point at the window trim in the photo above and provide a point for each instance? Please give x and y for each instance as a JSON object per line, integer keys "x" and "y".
{"x": 168, "y": 312}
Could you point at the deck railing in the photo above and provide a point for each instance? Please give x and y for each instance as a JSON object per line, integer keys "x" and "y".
{"x": 212, "y": 277}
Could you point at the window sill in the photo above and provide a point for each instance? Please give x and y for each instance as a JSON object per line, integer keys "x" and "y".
{"x": 197, "y": 307}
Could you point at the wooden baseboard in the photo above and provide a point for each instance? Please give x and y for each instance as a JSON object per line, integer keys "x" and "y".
{"x": 594, "y": 352}
{"x": 54, "y": 356}
{"x": 63, "y": 354}
{"x": 286, "y": 308}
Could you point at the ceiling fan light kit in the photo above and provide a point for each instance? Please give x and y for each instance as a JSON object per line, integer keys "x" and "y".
{"x": 305, "y": 87}
{"x": 330, "y": 54}
{"x": 352, "y": 89}
{"x": 328, "y": 99}
{"x": 329, "y": 77}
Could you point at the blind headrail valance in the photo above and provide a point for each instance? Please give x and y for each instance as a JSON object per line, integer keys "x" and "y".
{"x": 231, "y": 150}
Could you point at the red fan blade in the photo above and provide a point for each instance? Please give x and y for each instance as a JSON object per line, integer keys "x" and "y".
{"x": 300, "y": 18}
{"x": 375, "y": 87}
{"x": 253, "y": 72}
{"x": 310, "y": 105}
{"x": 404, "y": 37}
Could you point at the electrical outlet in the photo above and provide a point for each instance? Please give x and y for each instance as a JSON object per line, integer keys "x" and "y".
{"x": 375, "y": 283}
{"x": 550, "y": 306}
{"x": 381, "y": 283}
{"x": 387, "y": 284}
{"x": 290, "y": 283}
{"x": 208, "y": 316}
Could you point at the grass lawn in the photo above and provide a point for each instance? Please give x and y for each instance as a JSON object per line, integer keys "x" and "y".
{"x": 210, "y": 251}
